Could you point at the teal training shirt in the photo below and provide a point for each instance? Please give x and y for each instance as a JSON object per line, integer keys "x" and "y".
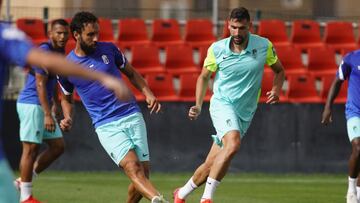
{"x": 238, "y": 75}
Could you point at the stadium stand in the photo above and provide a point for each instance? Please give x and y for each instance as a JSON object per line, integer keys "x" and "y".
{"x": 339, "y": 35}
{"x": 188, "y": 86}
{"x": 305, "y": 34}
{"x": 199, "y": 32}
{"x": 166, "y": 32}
{"x": 326, "y": 80}
{"x": 266, "y": 85}
{"x": 302, "y": 89}
{"x": 321, "y": 61}
{"x": 106, "y": 30}
{"x": 138, "y": 95}
{"x": 145, "y": 58}
{"x": 132, "y": 31}
{"x": 162, "y": 86}
{"x": 179, "y": 59}
{"x": 290, "y": 57}
{"x": 275, "y": 31}
{"x": 34, "y": 28}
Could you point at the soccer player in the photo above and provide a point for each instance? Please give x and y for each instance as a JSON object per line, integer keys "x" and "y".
{"x": 16, "y": 49}
{"x": 348, "y": 70}
{"x": 119, "y": 124}
{"x": 238, "y": 62}
{"x": 37, "y": 123}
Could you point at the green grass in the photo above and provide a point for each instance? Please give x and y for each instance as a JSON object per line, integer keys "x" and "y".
{"x": 111, "y": 187}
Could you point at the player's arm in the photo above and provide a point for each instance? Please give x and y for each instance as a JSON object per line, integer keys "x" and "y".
{"x": 279, "y": 77}
{"x": 55, "y": 63}
{"x": 138, "y": 81}
{"x": 41, "y": 81}
{"x": 333, "y": 92}
{"x": 201, "y": 87}
{"x": 67, "y": 107}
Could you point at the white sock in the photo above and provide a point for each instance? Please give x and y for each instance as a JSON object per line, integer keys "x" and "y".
{"x": 25, "y": 190}
{"x": 210, "y": 188}
{"x": 352, "y": 185}
{"x": 187, "y": 189}
{"x": 158, "y": 199}
{"x": 358, "y": 192}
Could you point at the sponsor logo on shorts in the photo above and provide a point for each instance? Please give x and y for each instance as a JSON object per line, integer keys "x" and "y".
{"x": 228, "y": 122}
{"x": 145, "y": 155}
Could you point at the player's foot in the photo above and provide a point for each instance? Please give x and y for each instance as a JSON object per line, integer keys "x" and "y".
{"x": 31, "y": 200}
{"x": 351, "y": 198}
{"x": 17, "y": 182}
{"x": 159, "y": 199}
{"x": 176, "y": 197}
{"x": 206, "y": 201}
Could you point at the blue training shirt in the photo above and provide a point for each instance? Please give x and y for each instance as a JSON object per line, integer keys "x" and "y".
{"x": 349, "y": 69}
{"x": 29, "y": 94}
{"x": 101, "y": 103}
{"x": 14, "y": 48}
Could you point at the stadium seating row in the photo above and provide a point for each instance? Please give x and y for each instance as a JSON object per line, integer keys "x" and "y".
{"x": 301, "y": 88}
{"x": 305, "y": 34}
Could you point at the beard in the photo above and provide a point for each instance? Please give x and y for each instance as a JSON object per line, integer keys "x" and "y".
{"x": 238, "y": 40}
{"x": 88, "y": 50}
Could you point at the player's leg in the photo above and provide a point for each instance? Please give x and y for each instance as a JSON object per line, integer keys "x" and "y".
{"x": 135, "y": 196}
{"x": 353, "y": 129}
{"x": 199, "y": 177}
{"x": 8, "y": 192}
{"x": 50, "y": 154}
{"x": 31, "y": 134}
{"x": 56, "y": 145}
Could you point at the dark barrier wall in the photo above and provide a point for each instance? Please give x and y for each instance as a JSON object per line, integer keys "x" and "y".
{"x": 281, "y": 138}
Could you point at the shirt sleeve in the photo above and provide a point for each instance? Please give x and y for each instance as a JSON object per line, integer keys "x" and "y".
{"x": 344, "y": 68}
{"x": 66, "y": 86}
{"x": 37, "y": 69}
{"x": 210, "y": 60}
{"x": 271, "y": 56}
{"x": 14, "y": 46}
{"x": 120, "y": 59}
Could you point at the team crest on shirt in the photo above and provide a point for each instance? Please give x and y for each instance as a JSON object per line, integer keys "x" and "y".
{"x": 105, "y": 59}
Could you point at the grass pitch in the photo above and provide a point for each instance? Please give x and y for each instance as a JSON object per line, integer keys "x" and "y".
{"x": 111, "y": 187}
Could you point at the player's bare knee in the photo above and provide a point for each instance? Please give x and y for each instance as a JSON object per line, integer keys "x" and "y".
{"x": 232, "y": 144}
{"x": 30, "y": 150}
{"x": 132, "y": 168}
{"x": 356, "y": 147}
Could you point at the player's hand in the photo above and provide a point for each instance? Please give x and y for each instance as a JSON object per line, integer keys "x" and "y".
{"x": 66, "y": 124}
{"x": 194, "y": 112}
{"x": 153, "y": 104}
{"x": 118, "y": 87}
{"x": 49, "y": 123}
{"x": 272, "y": 97}
{"x": 326, "y": 116}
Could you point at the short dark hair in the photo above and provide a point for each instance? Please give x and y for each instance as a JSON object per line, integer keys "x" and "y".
{"x": 80, "y": 20}
{"x": 239, "y": 14}
{"x": 59, "y": 21}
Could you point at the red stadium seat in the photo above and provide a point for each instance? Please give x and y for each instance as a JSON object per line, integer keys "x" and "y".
{"x": 34, "y": 28}
{"x": 302, "y": 89}
{"x": 70, "y": 45}
{"x": 266, "y": 86}
{"x": 202, "y": 55}
{"x": 132, "y": 31}
{"x": 290, "y": 58}
{"x": 162, "y": 86}
{"x": 188, "y": 87}
{"x": 340, "y": 35}
{"x": 179, "y": 59}
{"x": 305, "y": 34}
{"x": 106, "y": 31}
{"x": 326, "y": 80}
{"x": 275, "y": 31}
{"x": 76, "y": 96}
{"x": 345, "y": 51}
{"x": 226, "y": 31}
{"x": 166, "y": 32}
{"x": 199, "y": 32}
{"x": 145, "y": 59}
{"x": 321, "y": 61}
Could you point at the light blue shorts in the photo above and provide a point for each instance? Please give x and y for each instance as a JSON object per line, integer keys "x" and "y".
{"x": 225, "y": 119}
{"x": 8, "y": 193}
{"x": 353, "y": 127}
{"x": 118, "y": 137}
{"x": 32, "y": 127}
